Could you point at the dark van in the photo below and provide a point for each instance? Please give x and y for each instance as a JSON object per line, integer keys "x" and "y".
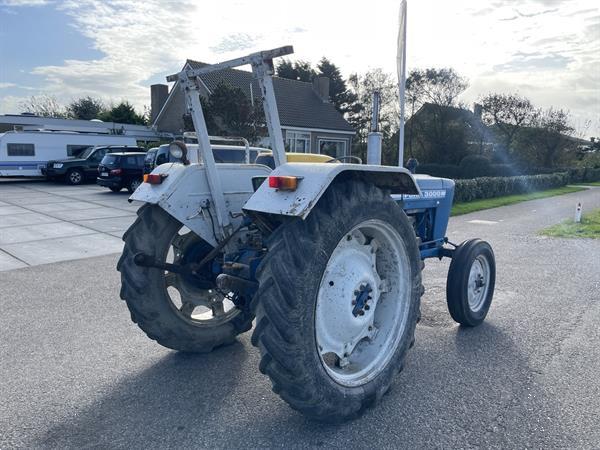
{"x": 121, "y": 170}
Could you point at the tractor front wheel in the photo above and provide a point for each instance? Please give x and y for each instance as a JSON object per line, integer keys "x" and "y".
{"x": 338, "y": 302}
{"x": 470, "y": 283}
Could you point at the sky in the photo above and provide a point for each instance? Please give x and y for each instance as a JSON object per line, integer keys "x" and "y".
{"x": 547, "y": 50}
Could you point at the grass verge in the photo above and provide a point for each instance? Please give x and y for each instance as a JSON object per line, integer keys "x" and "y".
{"x": 591, "y": 183}
{"x": 478, "y": 205}
{"x": 588, "y": 228}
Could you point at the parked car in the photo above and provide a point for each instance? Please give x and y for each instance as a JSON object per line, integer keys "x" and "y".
{"x": 121, "y": 170}
{"x": 85, "y": 166}
{"x": 26, "y": 153}
{"x": 222, "y": 153}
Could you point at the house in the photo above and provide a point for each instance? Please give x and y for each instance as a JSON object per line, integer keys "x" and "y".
{"x": 478, "y": 136}
{"x": 309, "y": 121}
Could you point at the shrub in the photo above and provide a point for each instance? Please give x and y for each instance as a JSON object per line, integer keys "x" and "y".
{"x": 439, "y": 170}
{"x": 474, "y": 166}
{"x": 592, "y": 174}
{"x": 505, "y": 170}
{"x": 489, "y": 187}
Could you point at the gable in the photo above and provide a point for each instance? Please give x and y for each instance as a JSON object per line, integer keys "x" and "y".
{"x": 297, "y": 102}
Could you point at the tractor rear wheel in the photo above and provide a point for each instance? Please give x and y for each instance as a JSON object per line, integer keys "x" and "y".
{"x": 180, "y": 311}
{"x": 338, "y": 302}
{"x": 470, "y": 283}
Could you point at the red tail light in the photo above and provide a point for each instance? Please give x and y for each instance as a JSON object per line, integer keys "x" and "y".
{"x": 284, "y": 183}
{"x": 116, "y": 172}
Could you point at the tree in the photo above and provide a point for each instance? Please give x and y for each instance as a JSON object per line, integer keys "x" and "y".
{"x": 437, "y": 131}
{"x": 85, "y": 108}
{"x": 549, "y": 140}
{"x": 229, "y": 112}
{"x": 344, "y": 100}
{"x": 363, "y": 86}
{"x": 297, "y": 70}
{"x": 43, "y": 106}
{"x": 124, "y": 112}
{"x": 508, "y": 113}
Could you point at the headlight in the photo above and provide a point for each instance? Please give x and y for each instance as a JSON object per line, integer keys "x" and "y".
{"x": 178, "y": 150}
{"x": 57, "y": 165}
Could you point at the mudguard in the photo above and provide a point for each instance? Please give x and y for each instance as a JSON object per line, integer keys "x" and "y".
{"x": 315, "y": 178}
{"x": 184, "y": 193}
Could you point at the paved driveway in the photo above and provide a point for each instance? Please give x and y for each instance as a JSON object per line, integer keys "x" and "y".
{"x": 76, "y": 373}
{"x": 43, "y": 222}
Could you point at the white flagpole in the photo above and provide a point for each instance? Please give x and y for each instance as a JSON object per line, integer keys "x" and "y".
{"x": 401, "y": 63}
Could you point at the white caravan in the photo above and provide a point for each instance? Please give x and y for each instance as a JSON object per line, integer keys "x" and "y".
{"x": 24, "y": 153}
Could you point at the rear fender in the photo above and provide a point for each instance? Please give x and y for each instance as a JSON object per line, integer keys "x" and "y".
{"x": 316, "y": 178}
{"x": 184, "y": 194}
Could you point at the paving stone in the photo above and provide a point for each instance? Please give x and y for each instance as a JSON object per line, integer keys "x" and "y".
{"x": 38, "y": 232}
{"x": 11, "y": 210}
{"x": 41, "y": 199}
{"x": 65, "y": 249}
{"x": 7, "y": 262}
{"x": 69, "y": 205}
{"x": 92, "y": 213}
{"x": 113, "y": 224}
{"x": 29, "y": 218}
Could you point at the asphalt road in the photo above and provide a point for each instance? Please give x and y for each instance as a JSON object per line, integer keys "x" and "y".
{"x": 75, "y": 372}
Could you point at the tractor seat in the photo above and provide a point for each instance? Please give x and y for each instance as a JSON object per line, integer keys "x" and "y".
{"x": 266, "y": 158}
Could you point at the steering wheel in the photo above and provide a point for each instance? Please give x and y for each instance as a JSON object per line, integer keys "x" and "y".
{"x": 350, "y": 157}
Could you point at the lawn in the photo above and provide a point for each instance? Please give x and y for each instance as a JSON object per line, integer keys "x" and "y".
{"x": 478, "y": 205}
{"x": 588, "y": 228}
{"x": 591, "y": 183}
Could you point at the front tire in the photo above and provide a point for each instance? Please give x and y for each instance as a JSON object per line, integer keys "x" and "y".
{"x": 338, "y": 302}
{"x": 471, "y": 281}
{"x": 75, "y": 177}
{"x": 133, "y": 185}
{"x": 170, "y": 308}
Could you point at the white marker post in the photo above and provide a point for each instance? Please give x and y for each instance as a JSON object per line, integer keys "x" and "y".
{"x": 578, "y": 209}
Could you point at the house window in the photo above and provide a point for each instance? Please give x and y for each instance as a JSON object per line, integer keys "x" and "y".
{"x": 20, "y": 149}
{"x": 297, "y": 141}
{"x": 75, "y": 150}
{"x": 333, "y": 147}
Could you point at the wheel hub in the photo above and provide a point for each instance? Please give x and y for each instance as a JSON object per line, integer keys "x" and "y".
{"x": 478, "y": 283}
{"x": 350, "y": 295}
{"x": 361, "y": 309}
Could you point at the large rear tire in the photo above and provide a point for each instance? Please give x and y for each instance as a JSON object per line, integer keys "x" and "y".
{"x": 338, "y": 302}
{"x": 171, "y": 308}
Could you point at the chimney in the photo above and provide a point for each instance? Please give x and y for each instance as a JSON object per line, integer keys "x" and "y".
{"x": 477, "y": 110}
{"x": 158, "y": 97}
{"x": 321, "y": 87}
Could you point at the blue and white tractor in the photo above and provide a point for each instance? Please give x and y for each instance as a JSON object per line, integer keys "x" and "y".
{"x": 324, "y": 257}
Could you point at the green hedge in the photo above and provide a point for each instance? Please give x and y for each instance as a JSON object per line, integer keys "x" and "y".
{"x": 584, "y": 175}
{"x": 489, "y": 187}
{"x": 476, "y": 167}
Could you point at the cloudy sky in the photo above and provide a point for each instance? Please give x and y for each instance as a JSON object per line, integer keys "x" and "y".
{"x": 548, "y": 50}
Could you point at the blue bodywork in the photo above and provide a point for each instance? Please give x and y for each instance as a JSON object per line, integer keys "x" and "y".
{"x": 430, "y": 213}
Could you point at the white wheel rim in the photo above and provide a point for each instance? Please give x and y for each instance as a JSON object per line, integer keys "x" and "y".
{"x": 479, "y": 283}
{"x": 201, "y": 307}
{"x": 355, "y": 347}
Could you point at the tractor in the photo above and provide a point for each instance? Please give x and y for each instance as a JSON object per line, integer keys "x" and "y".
{"x": 323, "y": 256}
